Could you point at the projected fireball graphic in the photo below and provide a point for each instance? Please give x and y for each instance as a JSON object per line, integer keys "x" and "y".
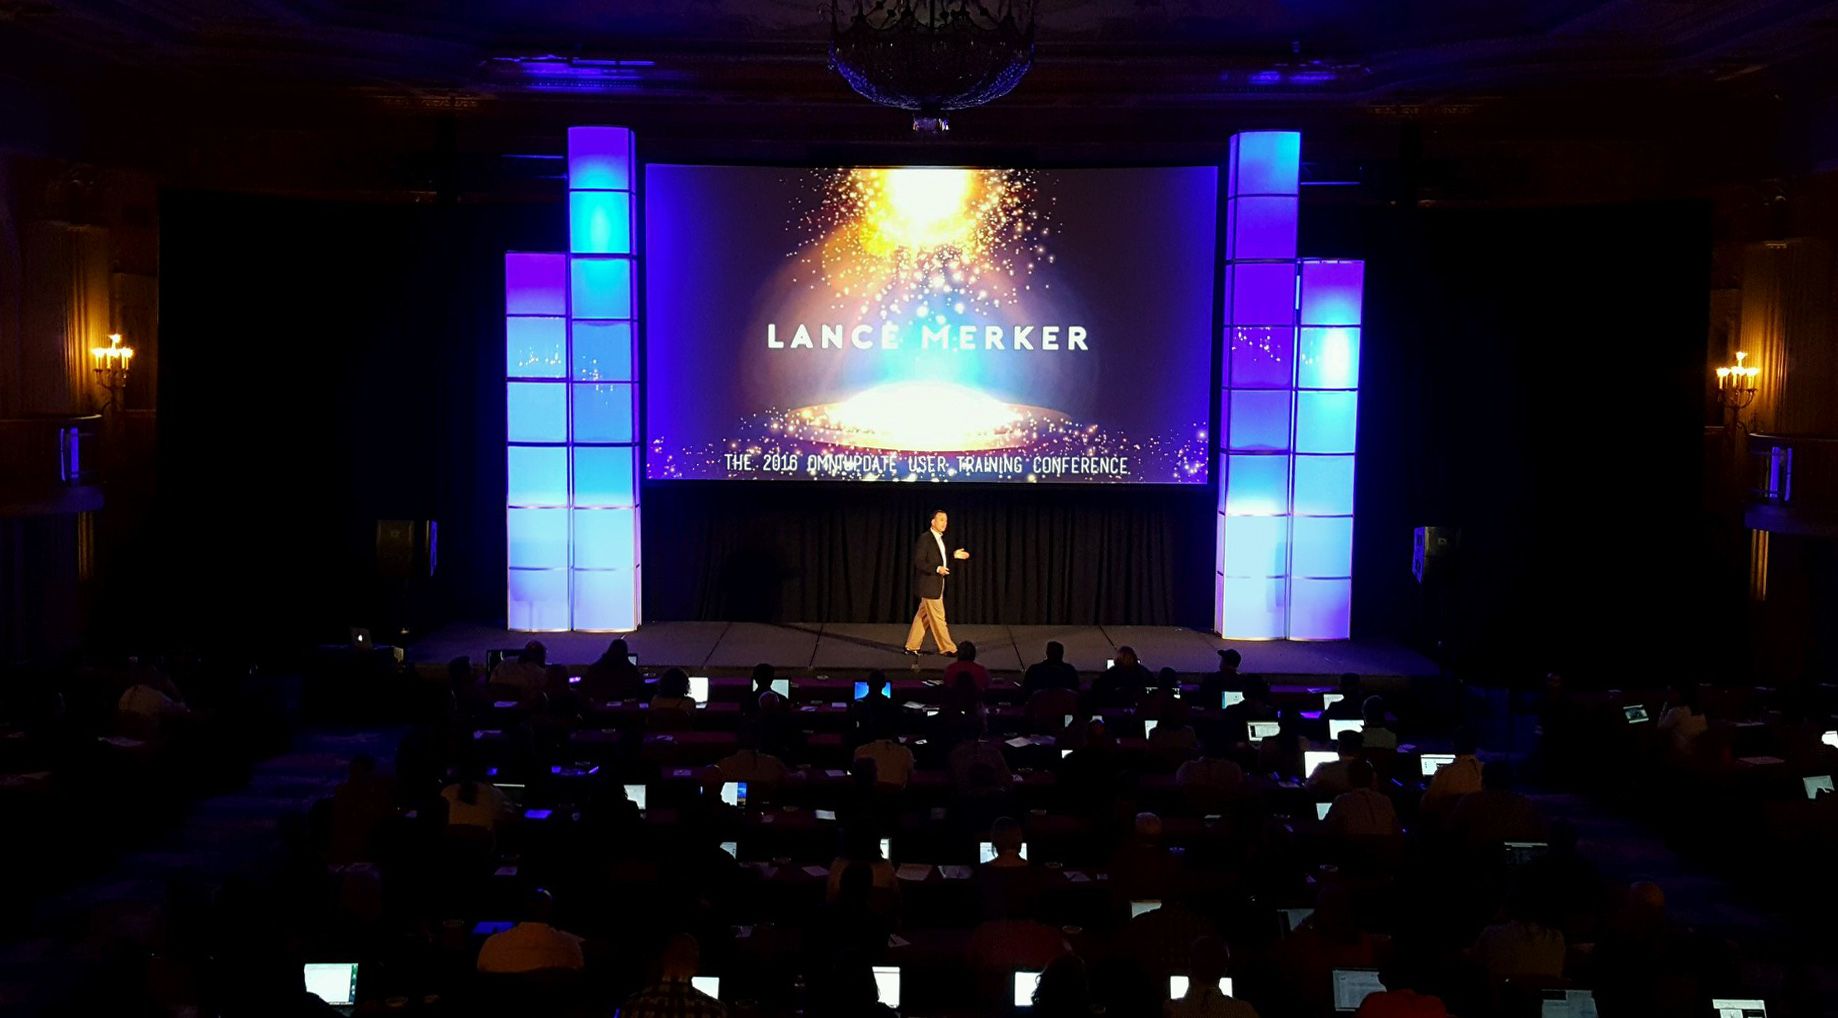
{"x": 908, "y": 417}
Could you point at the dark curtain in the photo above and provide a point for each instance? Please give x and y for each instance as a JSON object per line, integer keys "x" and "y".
{"x": 819, "y": 552}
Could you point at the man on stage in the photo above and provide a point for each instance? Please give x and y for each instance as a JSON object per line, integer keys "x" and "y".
{"x": 933, "y": 565}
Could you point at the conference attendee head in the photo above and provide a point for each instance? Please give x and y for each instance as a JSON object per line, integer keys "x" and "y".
{"x": 538, "y": 906}
{"x": 1063, "y": 988}
{"x": 1126, "y": 657}
{"x": 1230, "y": 659}
{"x": 877, "y": 682}
{"x": 534, "y": 653}
{"x": 674, "y": 683}
{"x": 1350, "y": 744}
{"x": 1647, "y": 896}
{"x": 1007, "y": 836}
{"x": 1148, "y": 826}
{"x": 1207, "y": 960}
{"x": 1349, "y": 686}
{"x": 1361, "y": 774}
{"x": 681, "y": 959}
{"x": 763, "y": 675}
{"x": 1056, "y": 651}
{"x": 1373, "y": 710}
{"x": 1464, "y": 742}
{"x": 1497, "y": 777}
{"x": 966, "y": 650}
{"x": 1168, "y": 678}
{"x": 939, "y": 520}
{"x": 459, "y": 672}
{"x": 617, "y": 652}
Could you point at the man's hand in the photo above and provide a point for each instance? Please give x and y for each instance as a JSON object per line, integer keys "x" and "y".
{"x": 960, "y": 554}
{"x": 942, "y": 571}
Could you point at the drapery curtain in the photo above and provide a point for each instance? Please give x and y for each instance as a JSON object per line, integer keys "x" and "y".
{"x": 1787, "y": 333}
{"x": 821, "y": 553}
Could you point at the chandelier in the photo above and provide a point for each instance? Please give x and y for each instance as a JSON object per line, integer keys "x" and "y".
{"x": 932, "y": 56}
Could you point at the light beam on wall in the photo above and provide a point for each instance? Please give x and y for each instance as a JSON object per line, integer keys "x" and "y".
{"x": 1290, "y": 407}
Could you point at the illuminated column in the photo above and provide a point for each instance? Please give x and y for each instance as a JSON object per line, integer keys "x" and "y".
{"x": 1289, "y": 409}
{"x": 571, "y": 405}
{"x": 603, "y": 399}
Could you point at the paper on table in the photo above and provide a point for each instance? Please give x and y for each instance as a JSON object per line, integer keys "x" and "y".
{"x": 954, "y": 872}
{"x": 913, "y": 871}
{"x": 816, "y": 871}
{"x": 1020, "y": 742}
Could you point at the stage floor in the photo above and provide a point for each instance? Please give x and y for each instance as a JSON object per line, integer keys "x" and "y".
{"x": 843, "y": 646}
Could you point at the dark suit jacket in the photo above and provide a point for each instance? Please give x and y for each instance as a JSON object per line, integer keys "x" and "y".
{"x": 926, "y": 561}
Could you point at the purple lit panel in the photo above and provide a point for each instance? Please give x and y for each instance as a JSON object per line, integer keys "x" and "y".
{"x": 1261, "y": 293}
{"x": 1258, "y": 419}
{"x": 1320, "y": 609}
{"x": 601, "y": 287}
{"x": 1260, "y": 228}
{"x": 1260, "y": 356}
{"x": 1331, "y": 292}
{"x": 600, "y": 159}
{"x": 1264, "y": 162}
{"x": 535, "y": 284}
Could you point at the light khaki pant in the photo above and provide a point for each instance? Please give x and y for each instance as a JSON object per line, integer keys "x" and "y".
{"x": 931, "y": 615}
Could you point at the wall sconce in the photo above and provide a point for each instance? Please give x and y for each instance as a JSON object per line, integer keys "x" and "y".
{"x": 1736, "y": 385}
{"x": 112, "y": 363}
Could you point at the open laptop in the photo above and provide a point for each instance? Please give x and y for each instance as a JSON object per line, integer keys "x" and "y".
{"x": 1148, "y": 727}
{"x": 1729, "y": 1007}
{"x": 1290, "y": 918}
{"x": 887, "y": 848}
{"x": 734, "y": 793}
{"x": 1334, "y": 728}
{"x": 698, "y": 689}
{"x": 1321, "y": 809}
{"x": 1143, "y": 907}
{"x": 1231, "y": 698}
{"x": 986, "y": 851}
{"x": 1025, "y": 981}
{"x": 1353, "y": 986}
{"x": 514, "y": 793}
{"x": 1635, "y": 714}
{"x": 1313, "y": 759}
{"x": 732, "y": 848}
{"x": 887, "y": 984}
{"x": 1817, "y": 785}
{"x": 638, "y": 794}
{"x": 782, "y": 687}
{"x": 333, "y": 982}
{"x": 861, "y": 691}
{"x": 1830, "y": 738}
{"x": 1567, "y": 1004}
{"x": 1330, "y": 699}
{"x": 1518, "y": 853}
{"x": 710, "y": 985}
{"x": 1177, "y": 986}
{"x": 1430, "y": 763}
{"x": 1258, "y": 731}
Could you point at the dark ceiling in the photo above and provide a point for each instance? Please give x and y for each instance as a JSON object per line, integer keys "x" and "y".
{"x": 179, "y": 84}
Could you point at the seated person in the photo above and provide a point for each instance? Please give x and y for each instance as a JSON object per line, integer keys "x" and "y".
{"x": 876, "y": 712}
{"x": 1376, "y": 731}
{"x": 763, "y": 699}
{"x": 1206, "y": 965}
{"x": 1142, "y": 866}
{"x": 474, "y": 802}
{"x": 966, "y": 665}
{"x": 893, "y": 762}
{"x": 672, "y": 996}
{"x": 672, "y": 697}
{"x": 1683, "y": 720}
{"x": 861, "y": 846}
{"x": 749, "y": 764}
{"x": 1351, "y": 698}
{"x": 977, "y": 764}
{"x": 1213, "y": 775}
{"x": 528, "y": 672}
{"x": 1454, "y": 780}
{"x": 1497, "y": 813}
{"x": 1327, "y": 940}
{"x": 1122, "y": 683}
{"x": 1407, "y": 981}
{"x": 151, "y": 703}
{"x": 1284, "y": 754}
{"x": 1520, "y": 945}
{"x": 1364, "y": 811}
{"x": 1256, "y": 705}
{"x": 532, "y": 945}
{"x": 1213, "y": 686}
{"x": 1053, "y": 673}
{"x": 1008, "y": 885}
{"x": 1173, "y": 741}
{"x": 1331, "y": 778}
{"x": 1007, "y": 838}
{"x": 613, "y": 676}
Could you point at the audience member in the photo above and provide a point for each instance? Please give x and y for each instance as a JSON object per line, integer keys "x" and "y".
{"x": 1063, "y": 991}
{"x": 533, "y": 945}
{"x": 1454, "y": 780}
{"x": 1496, "y": 813}
{"x": 528, "y": 672}
{"x": 1376, "y": 732}
{"x": 1053, "y": 673}
{"x": 672, "y": 699}
{"x": 1122, "y": 683}
{"x": 1352, "y": 696}
{"x": 1331, "y": 778}
{"x": 893, "y": 762}
{"x": 966, "y": 665}
{"x": 671, "y": 996}
{"x": 613, "y": 676}
{"x": 1362, "y": 811}
{"x": 1207, "y": 961}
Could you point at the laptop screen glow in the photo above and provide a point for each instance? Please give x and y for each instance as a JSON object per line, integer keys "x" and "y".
{"x": 1567, "y": 1004}
{"x": 1351, "y": 986}
{"x": 1430, "y": 763}
{"x": 887, "y": 984}
{"x": 1177, "y": 986}
{"x": 1294, "y": 917}
{"x": 1025, "y": 982}
{"x": 734, "y": 793}
{"x": 1334, "y": 728}
{"x": 1830, "y": 738}
{"x": 1258, "y": 731}
{"x": 1330, "y": 699}
{"x": 1817, "y": 784}
{"x": 1231, "y": 698}
{"x": 1321, "y": 809}
{"x": 1635, "y": 714}
{"x": 782, "y": 687}
{"x": 1148, "y": 727}
{"x": 636, "y": 793}
{"x": 732, "y": 848}
{"x": 861, "y": 690}
{"x": 710, "y": 985}
{"x": 334, "y": 982}
{"x": 986, "y": 851}
{"x": 1312, "y": 760}
{"x": 1738, "y": 1008}
{"x": 698, "y": 689}
{"x": 887, "y": 848}
{"x": 1143, "y": 907}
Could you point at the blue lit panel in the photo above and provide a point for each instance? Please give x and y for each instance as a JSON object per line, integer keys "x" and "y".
{"x": 1261, "y": 357}
{"x": 533, "y": 347}
{"x": 600, "y": 158}
{"x": 605, "y": 538}
{"x": 535, "y": 284}
{"x": 1257, "y": 546}
{"x": 1328, "y": 359}
{"x": 538, "y": 475}
{"x": 1257, "y": 486}
{"x": 603, "y": 351}
{"x": 538, "y": 600}
{"x": 1325, "y": 421}
{"x": 1260, "y": 228}
{"x": 1324, "y": 485}
{"x": 603, "y": 477}
{"x": 1254, "y": 608}
{"x": 1331, "y": 292}
{"x": 1264, "y": 162}
{"x": 1258, "y": 419}
{"x": 537, "y": 538}
{"x": 602, "y": 412}
{"x": 1320, "y": 609}
{"x": 600, "y": 222}
{"x": 601, "y": 287}
{"x": 536, "y": 412}
{"x": 1323, "y": 546}
{"x": 1261, "y": 293}
{"x": 606, "y": 600}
